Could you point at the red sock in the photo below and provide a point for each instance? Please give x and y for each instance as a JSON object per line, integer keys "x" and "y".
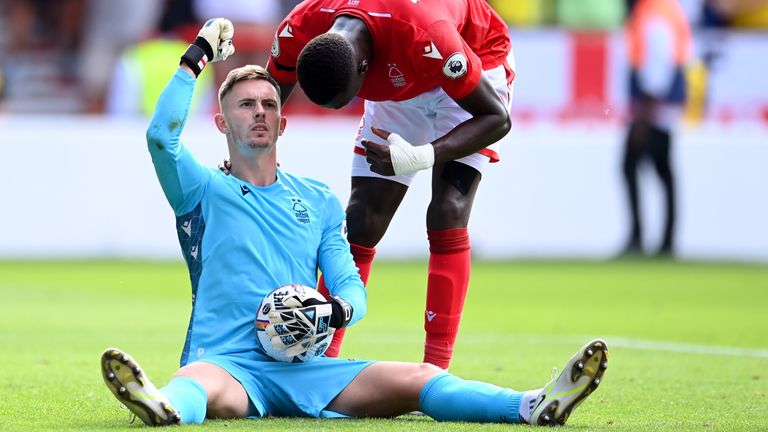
{"x": 449, "y": 265}
{"x": 363, "y": 257}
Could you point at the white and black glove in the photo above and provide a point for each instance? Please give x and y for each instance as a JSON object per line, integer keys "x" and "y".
{"x": 303, "y": 321}
{"x": 213, "y": 43}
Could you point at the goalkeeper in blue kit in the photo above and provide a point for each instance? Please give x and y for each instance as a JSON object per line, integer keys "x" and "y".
{"x": 258, "y": 228}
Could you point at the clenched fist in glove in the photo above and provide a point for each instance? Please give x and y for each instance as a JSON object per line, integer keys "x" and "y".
{"x": 303, "y": 321}
{"x": 213, "y": 43}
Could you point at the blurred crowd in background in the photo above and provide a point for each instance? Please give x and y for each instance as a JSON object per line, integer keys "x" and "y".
{"x": 112, "y": 57}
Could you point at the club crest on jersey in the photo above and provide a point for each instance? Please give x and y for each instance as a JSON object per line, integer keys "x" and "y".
{"x": 300, "y": 211}
{"x": 396, "y": 76}
{"x": 456, "y": 66}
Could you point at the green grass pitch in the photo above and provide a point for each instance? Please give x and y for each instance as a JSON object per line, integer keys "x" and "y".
{"x": 688, "y": 341}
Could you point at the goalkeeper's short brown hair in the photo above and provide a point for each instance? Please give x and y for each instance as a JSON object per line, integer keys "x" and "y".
{"x": 245, "y": 73}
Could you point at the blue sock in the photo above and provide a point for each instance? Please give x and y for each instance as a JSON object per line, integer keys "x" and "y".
{"x": 188, "y": 397}
{"x": 449, "y": 398}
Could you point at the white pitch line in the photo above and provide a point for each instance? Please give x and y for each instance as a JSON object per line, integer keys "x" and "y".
{"x": 685, "y": 348}
{"x": 651, "y": 345}
{"x": 612, "y": 341}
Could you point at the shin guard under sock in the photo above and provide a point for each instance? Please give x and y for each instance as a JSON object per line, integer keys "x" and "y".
{"x": 449, "y": 398}
{"x": 188, "y": 397}
{"x": 447, "y": 281}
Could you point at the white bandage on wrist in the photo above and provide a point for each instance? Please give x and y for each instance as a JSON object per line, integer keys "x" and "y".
{"x": 407, "y": 158}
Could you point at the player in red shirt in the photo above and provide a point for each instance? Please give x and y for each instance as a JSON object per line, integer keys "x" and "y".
{"x": 436, "y": 80}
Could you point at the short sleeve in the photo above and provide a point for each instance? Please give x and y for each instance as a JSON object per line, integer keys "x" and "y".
{"x": 450, "y": 61}
{"x": 284, "y": 53}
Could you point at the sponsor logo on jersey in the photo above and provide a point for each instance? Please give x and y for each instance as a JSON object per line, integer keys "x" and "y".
{"x": 456, "y": 66}
{"x": 431, "y": 51}
{"x": 244, "y": 190}
{"x": 396, "y": 76}
{"x": 353, "y": 2}
{"x": 193, "y": 252}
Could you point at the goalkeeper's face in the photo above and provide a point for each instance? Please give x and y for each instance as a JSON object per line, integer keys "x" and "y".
{"x": 251, "y": 115}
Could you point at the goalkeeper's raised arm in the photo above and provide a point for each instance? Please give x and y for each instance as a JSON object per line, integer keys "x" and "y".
{"x": 181, "y": 177}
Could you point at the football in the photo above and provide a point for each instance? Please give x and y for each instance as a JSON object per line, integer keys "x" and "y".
{"x": 274, "y": 302}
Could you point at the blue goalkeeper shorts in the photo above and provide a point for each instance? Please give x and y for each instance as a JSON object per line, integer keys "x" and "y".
{"x": 290, "y": 389}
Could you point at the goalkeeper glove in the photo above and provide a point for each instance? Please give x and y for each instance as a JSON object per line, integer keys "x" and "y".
{"x": 301, "y": 323}
{"x": 213, "y": 43}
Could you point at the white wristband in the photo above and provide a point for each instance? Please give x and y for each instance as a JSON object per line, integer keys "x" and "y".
{"x": 407, "y": 158}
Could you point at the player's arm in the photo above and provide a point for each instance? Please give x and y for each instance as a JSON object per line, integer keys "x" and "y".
{"x": 489, "y": 123}
{"x": 336, "y": 263}
{"x": 283, "y": 56}
{"x": 342, "y": 277}
{"x": 182, "y": 178}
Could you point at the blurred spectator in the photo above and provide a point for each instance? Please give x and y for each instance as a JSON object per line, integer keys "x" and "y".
{"x": 712, "y": 17}
{"x": 740, "y": 13}
{"x": 590, "y": 14}
{"x": 39, "y": 42}
{"x": 110, "y": 27}
{"x": 659, "y": 46}
{"x": 525, "y": 13}
{"x": 142, "y": 69}
{"x": 40, "y": 24}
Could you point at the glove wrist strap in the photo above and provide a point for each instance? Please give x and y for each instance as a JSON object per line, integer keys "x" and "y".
{"x": 341, "y": 313}
{"x": 197, "y": 55}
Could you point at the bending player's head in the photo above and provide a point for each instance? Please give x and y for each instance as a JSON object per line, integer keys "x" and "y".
{"x": 329, "y": 72}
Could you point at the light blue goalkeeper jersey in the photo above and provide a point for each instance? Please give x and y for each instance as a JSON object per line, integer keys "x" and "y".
{"x": 241, "y": 241}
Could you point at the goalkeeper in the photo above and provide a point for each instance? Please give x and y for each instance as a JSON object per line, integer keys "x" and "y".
{"x": 259, "y": 228}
